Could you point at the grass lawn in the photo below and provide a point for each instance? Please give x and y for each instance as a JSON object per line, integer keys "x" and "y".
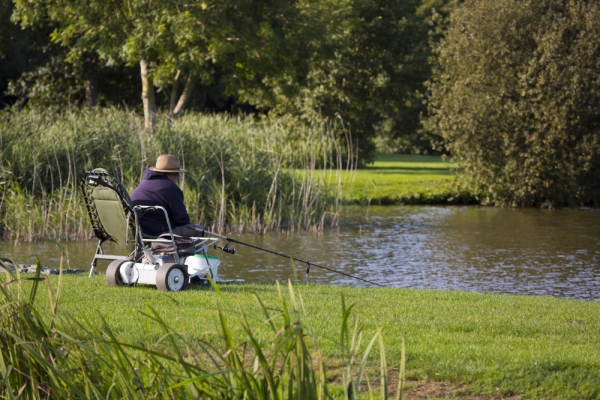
{"x": 468, "y": 343}
{"x": 402, "y": 179}
{"x": 457, "y": 344}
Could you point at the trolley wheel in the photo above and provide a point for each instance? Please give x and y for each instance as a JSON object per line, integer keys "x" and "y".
{"x": 113, "y": 273}
{"x": 172, "y": 277}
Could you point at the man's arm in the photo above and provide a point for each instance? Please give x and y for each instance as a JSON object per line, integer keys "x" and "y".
{"x": 178, "y": 210}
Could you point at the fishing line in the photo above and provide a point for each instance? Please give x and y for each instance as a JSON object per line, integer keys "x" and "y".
{"x": 308, "y": 263}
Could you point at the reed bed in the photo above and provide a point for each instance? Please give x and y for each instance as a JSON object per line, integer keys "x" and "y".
{"x": 245, "y": 173}
{"x": 60, "y": 356}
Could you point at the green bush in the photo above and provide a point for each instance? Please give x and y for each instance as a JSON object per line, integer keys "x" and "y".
{"x": 515, "y": 96}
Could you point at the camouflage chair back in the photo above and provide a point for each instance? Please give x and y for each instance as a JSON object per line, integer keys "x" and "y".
{"x": 112, "y": 217}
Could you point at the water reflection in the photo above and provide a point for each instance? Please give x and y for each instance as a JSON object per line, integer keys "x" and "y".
{"x": 522, "y": 251}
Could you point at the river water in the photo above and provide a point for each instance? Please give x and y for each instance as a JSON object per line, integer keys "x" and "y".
{"x": 482, "y": 249}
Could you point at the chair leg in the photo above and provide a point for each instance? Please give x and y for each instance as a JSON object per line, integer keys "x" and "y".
{"x": 98, "y": 251}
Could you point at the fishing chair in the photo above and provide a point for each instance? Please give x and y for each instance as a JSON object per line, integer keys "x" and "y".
{"x": 110, "y": 212}
{"x": 113, "y": 219}
{"x": 168, "y": 261}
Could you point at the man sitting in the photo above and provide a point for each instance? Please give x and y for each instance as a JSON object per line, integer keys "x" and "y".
{"x": 159, "y": 188}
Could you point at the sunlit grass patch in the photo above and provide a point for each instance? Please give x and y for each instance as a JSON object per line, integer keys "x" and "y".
{"x": 402, "y": 179}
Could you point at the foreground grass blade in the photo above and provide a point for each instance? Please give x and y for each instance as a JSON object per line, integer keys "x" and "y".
{"x": 402, "y": 372}
{"x": 67, "y": 356}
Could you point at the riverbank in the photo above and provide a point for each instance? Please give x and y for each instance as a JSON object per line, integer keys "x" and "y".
{"x": 457, "y": 343}
{"x": 405, "y": 179}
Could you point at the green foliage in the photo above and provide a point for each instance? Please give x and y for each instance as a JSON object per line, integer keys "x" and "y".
{"x": 21, "y": 51}
{"x": 240, "y": 169}
{"x": 384, "y": 68}
{"x": 362, "y": 61}
{"x": 52, "y": 83}
{"x": 515, "y": 97}
{"x": 240, "y": 42}
{"x": 56, "y": 84}
{"x": 368, "y": 69}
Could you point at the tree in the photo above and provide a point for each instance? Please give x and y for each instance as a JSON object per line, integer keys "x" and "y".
{"x": 163, "y": 37}
{"x": 170, "y": 40}
{"x": 515, "y": 96}
{"x": 385, "y": 68}
{"x": 366, "y": 63}
{"x": 363, "y": 61}
{"x": 20, "y": 51}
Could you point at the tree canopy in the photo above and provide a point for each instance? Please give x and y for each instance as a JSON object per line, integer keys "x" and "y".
{"x": 515, "y": 95}
{"x": 510, "y": 88}
{"x": 361, "y": 60}
{"x": 167, "y": 38}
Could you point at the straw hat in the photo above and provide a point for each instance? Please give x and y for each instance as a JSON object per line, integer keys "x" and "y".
{"x": 168, "y": 164}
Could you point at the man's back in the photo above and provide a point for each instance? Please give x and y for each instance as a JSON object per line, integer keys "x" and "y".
{"x": 158, "y": 190}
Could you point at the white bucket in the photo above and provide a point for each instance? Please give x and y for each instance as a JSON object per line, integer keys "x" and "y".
{"x": 200, "y": 264}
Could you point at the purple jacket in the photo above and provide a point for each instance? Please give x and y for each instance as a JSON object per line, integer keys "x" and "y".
{"x": 158, "y": 190}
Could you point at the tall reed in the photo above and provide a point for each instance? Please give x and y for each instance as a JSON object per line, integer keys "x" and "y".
{"x": 66, "y": 356}
{"x": 244, "y": 173}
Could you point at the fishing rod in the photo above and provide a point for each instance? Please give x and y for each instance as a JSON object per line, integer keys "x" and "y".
{"x": 231, "y": 250}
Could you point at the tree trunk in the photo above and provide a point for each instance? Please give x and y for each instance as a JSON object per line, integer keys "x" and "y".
{"x": 185, "y": 96}
{"x": 90, "y": 72}
{"x": 148, "y": 98}
{"x": 174, "y": 91}
{"x": 91, "y": 91}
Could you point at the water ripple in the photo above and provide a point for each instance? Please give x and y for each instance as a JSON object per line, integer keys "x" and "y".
{"x": 483, "y": 249}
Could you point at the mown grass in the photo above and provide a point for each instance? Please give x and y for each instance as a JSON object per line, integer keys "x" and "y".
{"x": 404, "y": 179}
{"x": 496, "y": 345}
